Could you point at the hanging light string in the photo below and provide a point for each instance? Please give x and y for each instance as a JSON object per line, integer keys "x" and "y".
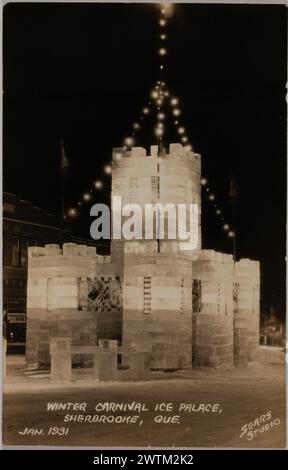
{"x": 87, "y": 196}
{"x": 130, "y": 140}
{"x": 217, "y": 209}
{"x": 181, "y": 131}
{"x": 98, "y": 184}
{"x": 165, "y": 9}
{"x": 136, "y": 127}
{"x": 160, "y": 95}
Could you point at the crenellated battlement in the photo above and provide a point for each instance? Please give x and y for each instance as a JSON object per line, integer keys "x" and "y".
{"x": 175, "y": 150}
{"x": 69, "y": 249}
{"x": 215, "y": 256}
{"x": 55, "y": 254}
{"x": 172, "y": 178}
{"x": 246, "y": 263}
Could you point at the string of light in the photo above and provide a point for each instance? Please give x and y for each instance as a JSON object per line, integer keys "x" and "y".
{"x": 98, "y": 184}
{"x": 217, "y": 210}
{"x": 129, "y": 141}
{"x": 160, "y": 96}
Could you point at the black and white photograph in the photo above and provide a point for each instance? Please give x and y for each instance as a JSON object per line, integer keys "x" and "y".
{"x": 144, "y": 225}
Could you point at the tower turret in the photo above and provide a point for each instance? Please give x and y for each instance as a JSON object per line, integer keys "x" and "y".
{"x": 174, "y": 178}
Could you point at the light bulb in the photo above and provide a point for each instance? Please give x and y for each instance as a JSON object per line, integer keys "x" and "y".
{"x": 162, "y": 51}
{"x": 129, "y": 141}
{"x": 159, "y": 131}
{"x": 107, "y": 169}
{"x": 86, "y": 196}
{"x": 98, "y": 184}
{"x": 174, "y": 101}
{"x": 72, "y": 212}
{"x": 169, "y": 9}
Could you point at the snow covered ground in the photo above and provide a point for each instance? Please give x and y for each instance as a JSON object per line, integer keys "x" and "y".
{"x": 171, "y": 409}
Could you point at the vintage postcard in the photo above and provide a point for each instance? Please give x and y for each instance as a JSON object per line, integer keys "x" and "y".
{"x": 144, "y": 225}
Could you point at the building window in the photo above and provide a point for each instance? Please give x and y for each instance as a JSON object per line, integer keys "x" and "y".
{"x": 15, "y": 251}
{"x": 8, "y": 207}
{"x": 219, "y": 298}
{"x": 49, "y": 294}
{"x": 11, "y": 251}
{"x": 155, "y": 188}
{"x": 182, "y": 297}
{"x": 23, "y": 253}
{"x": 196, "y": 295}
{"x": 147, "y": 295}
{"x": 7, "y": 251}
{"x": 235, "y": 296}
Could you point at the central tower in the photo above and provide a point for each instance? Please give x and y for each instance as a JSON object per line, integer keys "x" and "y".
{"x": 157, "y": 274}
{"x": 172, "y": 178}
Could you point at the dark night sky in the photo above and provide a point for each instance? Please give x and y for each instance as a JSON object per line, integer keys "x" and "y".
{"x": 82, "y": 72}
